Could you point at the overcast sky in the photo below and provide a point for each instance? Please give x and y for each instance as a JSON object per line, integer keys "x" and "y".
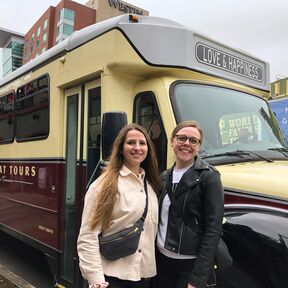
{"x": 259, "y": 27}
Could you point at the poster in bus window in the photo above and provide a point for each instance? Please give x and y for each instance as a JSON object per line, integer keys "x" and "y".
{"x": 236, "y": 126}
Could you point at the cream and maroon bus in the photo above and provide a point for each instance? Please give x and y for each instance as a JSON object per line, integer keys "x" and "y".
{"x": 156, "y": 72}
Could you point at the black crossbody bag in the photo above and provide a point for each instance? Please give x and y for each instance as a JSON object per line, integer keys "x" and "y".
{"x": 126, "y": 241}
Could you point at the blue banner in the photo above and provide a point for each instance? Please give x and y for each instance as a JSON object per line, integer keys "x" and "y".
{"x": 280, "y": 108}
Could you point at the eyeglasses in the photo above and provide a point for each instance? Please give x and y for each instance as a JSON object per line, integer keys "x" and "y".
{"x": 183, "y": 138}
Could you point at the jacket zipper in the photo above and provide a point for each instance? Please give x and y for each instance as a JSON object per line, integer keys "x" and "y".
{"x": 182, "y": 226}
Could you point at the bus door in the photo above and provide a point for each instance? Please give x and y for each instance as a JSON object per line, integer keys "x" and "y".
{"x": 82, "y": 153}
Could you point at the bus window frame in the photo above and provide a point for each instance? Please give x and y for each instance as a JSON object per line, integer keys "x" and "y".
{"x": 163, "y": 153}
{"x": 9, "y": 141}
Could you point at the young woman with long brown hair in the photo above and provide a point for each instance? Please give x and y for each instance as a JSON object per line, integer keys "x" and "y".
{"x": 115, "y": 201}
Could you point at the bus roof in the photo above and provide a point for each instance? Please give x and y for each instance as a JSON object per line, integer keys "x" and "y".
{"x": 170, "y": 44}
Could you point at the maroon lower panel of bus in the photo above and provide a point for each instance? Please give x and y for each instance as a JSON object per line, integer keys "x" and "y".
{"x": 244, "y": 198}
{"x": 31, "y": 197}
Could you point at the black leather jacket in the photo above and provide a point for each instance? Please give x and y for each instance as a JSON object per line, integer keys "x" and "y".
{"x": 195, "y": 217}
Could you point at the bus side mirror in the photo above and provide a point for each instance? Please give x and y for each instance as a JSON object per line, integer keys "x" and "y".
{"x": 112, "y": 123}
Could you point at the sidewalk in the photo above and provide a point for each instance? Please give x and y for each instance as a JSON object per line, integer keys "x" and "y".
{"x": 11, "y": 280}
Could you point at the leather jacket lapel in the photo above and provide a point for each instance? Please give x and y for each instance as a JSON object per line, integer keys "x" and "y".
{"x": 189, "y": 179}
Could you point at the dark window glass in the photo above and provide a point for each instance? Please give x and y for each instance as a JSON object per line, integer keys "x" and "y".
{"x": 32, "y": 110}
{"x": 20, "y": 92}
{"x": 43, "y": 83}
{"x": 94, "y": 131}
{"x": 30, "y": 88}
{"x": 146, "y": 114}
{"x": 7, "y": 118}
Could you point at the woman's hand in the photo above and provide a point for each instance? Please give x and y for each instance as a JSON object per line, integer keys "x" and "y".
{"x": 190, "y": 286}
{"x": 99, "y": 285}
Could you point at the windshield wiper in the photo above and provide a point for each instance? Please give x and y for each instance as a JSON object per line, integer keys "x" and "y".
{"x": 260, "y": 156}
{"x": 239, "y": 153}
{"x": 282, "y": 150}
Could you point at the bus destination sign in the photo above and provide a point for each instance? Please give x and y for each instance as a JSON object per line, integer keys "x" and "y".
{"x": 221, "y": 60}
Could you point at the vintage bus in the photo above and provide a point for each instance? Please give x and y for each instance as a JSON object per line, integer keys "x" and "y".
{"x": 159, "y": 73}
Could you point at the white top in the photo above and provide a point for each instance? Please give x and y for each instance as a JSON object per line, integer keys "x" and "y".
{"x": 127, "y": 210}
{"x": 163, "y": 223}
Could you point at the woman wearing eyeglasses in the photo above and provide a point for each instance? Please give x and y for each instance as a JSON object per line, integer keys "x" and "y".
{"x": 191, "y": 212}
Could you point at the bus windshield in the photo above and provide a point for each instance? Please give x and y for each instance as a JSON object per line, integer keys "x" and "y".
{"x": 232, "y": 121}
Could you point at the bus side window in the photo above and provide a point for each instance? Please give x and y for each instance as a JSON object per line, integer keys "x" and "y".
{"x": 32, "y": 110}
{"x": 7, "y": 118}
{"x": 146, "y": 113}
{"x": 94, "y": 131}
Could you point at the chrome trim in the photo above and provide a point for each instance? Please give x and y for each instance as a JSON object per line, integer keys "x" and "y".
{"x": 254, "y": 207}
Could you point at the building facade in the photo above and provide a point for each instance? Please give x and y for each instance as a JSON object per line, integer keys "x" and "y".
{"x": 12, "y": 50}
{"x": 55, "y": 25}
{"x": 279, "y": 88}
{"x": 12, "y": 55}
{"x": 110, "y": 8}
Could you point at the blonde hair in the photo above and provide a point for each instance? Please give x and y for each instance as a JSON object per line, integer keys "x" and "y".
{"x": 106, "y": 199}
{"x": 188, "y": 123}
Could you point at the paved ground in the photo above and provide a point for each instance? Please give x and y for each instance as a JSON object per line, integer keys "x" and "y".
{"x": 22, "y": 265}
{"x": 11, "y": 280}
{"x": 4, "y": 283}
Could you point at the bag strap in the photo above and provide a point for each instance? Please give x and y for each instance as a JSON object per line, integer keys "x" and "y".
{"x": 143, "y": 217}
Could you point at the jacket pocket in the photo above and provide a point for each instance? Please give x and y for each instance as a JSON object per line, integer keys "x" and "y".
{"x": 190, "y": 238}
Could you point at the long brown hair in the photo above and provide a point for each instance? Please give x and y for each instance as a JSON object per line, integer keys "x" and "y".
{"x": 109, "y": 184}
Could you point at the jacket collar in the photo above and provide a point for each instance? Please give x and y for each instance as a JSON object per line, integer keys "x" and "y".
{"x": 199, "y": 164}
{"x": 191, "y": 176}
{"x": 125, "y": 171}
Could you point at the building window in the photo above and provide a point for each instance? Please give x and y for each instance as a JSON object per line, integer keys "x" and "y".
{"x": 12, "y": 57}
{"x": 43, "y": 49}
{"x": 16, "y": 63}
{"x": 32, "y": 110}
{"x": 277, "y": 89}
{"x": 31, "y": 49}
{"x": 32, "y": 37}
{"x": 67, "y": 29}
{"x": 38, "y": 31}
{"x": 37, "y": 44}
{"x": 44, "y": 37}
{"x": 66, "y": 14}
{"x": 63, "y": 32}
{"x": 26, "y": 43}
{"x": 45, "y": 24}
{"x": 7, "y": 118}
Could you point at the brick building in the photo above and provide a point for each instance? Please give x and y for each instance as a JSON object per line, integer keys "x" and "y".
{"x": 55, "y": 25}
